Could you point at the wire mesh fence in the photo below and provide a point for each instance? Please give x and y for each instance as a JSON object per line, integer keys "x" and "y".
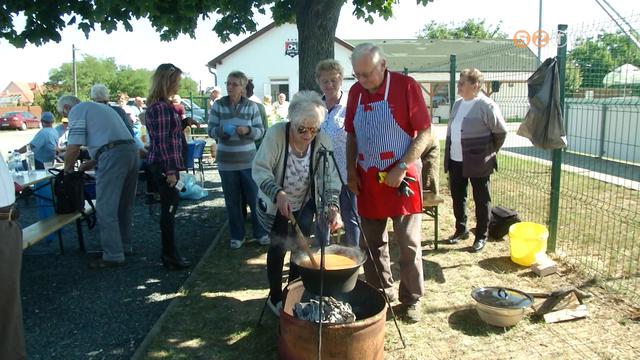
{"x": 598, "y": 221}
{"x": 599, "y": 224}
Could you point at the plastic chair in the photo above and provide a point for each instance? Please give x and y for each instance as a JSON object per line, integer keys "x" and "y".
{"x": 189, "y": 163}
{"x": 197, "y": 155}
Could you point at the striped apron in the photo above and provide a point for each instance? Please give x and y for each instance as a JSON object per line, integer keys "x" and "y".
{"x": 381, "y": 143}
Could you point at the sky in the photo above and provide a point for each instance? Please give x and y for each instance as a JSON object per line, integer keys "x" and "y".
{"x": 142, "y": 48}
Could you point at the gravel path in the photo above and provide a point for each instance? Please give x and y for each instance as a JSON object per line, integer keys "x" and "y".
{"x": 71, "y": 312}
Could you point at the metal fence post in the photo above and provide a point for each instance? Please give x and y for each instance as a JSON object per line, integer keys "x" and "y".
{"x": 191, "y": 102}
{"x": 452, "y": 81}
{"x": 556, "y": 155}
{"x": 603, "y": 130}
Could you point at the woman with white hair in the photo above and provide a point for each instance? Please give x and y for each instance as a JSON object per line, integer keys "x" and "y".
{"x": 282, "y": 169}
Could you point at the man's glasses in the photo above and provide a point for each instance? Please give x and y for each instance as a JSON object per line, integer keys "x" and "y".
{"x": 310, "y": 130}
{"x": 232, "y": 84}
{"x": 367, "y": 74}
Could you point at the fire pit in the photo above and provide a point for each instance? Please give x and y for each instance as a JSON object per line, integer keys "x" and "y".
{"x": 362, "y": 339}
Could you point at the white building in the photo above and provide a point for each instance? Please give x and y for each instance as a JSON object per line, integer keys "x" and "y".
{"x": 269, "y": 57}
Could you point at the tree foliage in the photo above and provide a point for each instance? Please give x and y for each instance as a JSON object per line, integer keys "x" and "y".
{"x": 573, "y": 78}
{"x": 597, "y": 56}
{"x": 317, "y": 20}
{"x": 470, "y": 29}
{"x": 91, "y": 70}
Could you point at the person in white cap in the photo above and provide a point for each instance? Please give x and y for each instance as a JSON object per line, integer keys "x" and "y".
{"x": 63, "y": 132}
{"x": 216, "y": 94}
{"x": 45, "y": 143}
{"x": 11, "y": 331}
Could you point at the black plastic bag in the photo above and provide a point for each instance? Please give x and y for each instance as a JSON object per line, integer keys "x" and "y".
{"x": 543, "y": 124}
{"x": 501, "y": 219}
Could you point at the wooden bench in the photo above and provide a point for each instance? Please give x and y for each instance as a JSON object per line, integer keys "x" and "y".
{"x": 35, "y": 232}
{"x": 430, "y": 203}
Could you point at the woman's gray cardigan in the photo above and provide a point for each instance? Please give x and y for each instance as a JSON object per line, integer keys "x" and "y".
{"x": 483, "y": 133}
{"x": 268, "y": 173}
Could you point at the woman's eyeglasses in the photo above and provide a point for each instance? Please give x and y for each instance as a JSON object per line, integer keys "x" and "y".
{"x": 310, "y": 130}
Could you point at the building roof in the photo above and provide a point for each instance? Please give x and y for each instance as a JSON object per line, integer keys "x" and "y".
{"x": 422, "y": 55}
{"x": 26, "y": 90}
{"x": 218, "y": 60}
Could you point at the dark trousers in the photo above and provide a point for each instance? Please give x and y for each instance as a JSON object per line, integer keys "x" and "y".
{"x": 281, "y": 242}
{"x": 481, "y": 196}
{"x": 169, "y": 200}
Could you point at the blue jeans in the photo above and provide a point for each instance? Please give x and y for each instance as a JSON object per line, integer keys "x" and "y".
{"x": 349, "y": 218}
{"x": 235, "y": 185}
{"x": 349, "y": 214}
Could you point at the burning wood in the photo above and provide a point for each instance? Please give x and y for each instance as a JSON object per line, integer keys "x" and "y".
{"x": 333, "y": 311}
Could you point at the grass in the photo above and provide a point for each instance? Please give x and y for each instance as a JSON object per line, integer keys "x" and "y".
{"x": 598, "y": 224}
{"x": 216, "y": 318}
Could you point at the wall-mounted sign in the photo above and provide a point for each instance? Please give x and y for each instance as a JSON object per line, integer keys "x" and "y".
{"x": 291, "y": 48}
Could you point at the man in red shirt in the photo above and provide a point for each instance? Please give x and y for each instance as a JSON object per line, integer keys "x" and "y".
{"x": 388, "y": 128}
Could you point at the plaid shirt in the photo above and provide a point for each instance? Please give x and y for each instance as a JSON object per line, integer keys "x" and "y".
{"x": 166, "y": 138}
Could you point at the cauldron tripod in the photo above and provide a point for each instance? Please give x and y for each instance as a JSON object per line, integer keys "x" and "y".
{"x": 323, "y": 155}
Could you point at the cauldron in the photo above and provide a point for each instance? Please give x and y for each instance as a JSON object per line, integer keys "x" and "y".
{"x": 336, "y": 281}
{"x": 362, "y": 339}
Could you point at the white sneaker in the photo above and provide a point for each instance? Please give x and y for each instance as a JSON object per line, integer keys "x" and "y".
{"x": 236, "y": 244}
{"x": 265, "y": 240}
{"x": 275, "y": 309}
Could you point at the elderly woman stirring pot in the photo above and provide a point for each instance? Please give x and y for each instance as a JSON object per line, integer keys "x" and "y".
{"x": 474, "y": 137}
{"x": 285, "y": 171}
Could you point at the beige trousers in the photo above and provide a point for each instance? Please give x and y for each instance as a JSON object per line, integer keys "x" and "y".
{"x": 407, "y": 234}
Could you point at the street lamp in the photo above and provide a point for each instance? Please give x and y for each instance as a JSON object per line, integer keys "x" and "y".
{"x": 75, "y": 77}
{"x": 540, "y": 32}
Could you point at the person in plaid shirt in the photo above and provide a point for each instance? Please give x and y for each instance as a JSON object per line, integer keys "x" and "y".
{"x": 167, "y": 150}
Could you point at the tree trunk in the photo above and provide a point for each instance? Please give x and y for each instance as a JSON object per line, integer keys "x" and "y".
{"x": 317, "y": 21}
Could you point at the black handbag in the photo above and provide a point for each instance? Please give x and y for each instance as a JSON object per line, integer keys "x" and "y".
{"x": 501, "y": 219}
{"x": 69, "y": 191}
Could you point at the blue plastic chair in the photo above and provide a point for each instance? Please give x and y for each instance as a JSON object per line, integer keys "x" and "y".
{"x": 191, "y": 147}
{"x": 197, "y": 155}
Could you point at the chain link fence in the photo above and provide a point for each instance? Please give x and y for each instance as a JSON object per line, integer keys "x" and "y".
{"x": 589, "y": 193}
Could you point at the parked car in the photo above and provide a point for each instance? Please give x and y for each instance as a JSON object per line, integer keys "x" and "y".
{"x": 132, "y": 102}
{"x": 19, "y": 120}
{"x": 198, "y": 112}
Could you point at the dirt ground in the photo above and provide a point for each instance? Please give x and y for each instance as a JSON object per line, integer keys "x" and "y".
{"x": 215, "y": 316}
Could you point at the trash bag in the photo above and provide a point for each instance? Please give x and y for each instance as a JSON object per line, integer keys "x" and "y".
{"x": 192, "y": 191}
{"x": 543, "y": 124}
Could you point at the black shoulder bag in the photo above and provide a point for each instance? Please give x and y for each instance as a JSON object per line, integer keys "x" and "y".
{"x": 501, "y": 219}
{"x": 70, "y": 194}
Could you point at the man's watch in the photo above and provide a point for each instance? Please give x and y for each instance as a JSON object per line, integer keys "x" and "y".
{"x": 403, "y": 165}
